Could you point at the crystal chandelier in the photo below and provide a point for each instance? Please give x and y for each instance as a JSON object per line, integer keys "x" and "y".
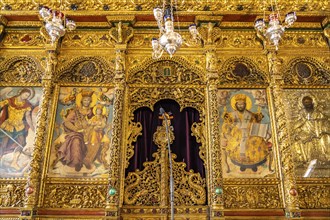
{"x": 169, "y": 40}
{"x": 55, "y": 23}
{"x": 275, "y": 29}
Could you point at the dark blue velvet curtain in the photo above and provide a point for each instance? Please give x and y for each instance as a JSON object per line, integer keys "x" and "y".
{"x": 184, "y": 146}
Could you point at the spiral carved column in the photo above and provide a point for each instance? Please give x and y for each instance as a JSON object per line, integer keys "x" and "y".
{"x": 113, "y": 198}
{"x": 287, "y": 172}
{"x": 215, "y": 180}
{"x": 34, "y": 175}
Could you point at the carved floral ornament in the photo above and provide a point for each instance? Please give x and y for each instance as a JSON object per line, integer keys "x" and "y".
{"x": 242, "y": 70}
{"x": 306, "y": 71}
{"x": 164, "y": 71}
{"x": 21, "y": 69}
{"x": 147, "y": 5}
{"x": 86, "y": 69}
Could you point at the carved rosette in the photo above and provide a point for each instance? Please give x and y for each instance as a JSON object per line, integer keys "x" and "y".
{"x": 287, "y": 164}
{"x": 114, "y": 171}
{"x": 21, "y": 69}
{"x": 306, "y": 71}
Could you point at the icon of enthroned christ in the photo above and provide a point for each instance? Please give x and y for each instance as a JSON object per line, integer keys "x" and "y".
{"x": 244, "y": 139}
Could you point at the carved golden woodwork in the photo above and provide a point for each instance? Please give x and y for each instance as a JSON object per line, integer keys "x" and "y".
{"x": 150, "y": 187}
{"x": 146, "y": 5}
{"x": 115, "y": 51}
{"x": 21, "y": 69}
{"x": 75, "y": 196}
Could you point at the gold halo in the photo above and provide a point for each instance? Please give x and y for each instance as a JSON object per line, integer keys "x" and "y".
{"x": 79, "y": 98}
{"x": 315, "y": 101}
{"x": 104, "y": 110}
{"x": 248, "y": 102}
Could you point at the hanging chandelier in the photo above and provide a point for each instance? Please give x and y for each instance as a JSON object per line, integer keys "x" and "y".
{"x": 169, "y": 40}
{"x": 275, "y": 29}
{"x": 55, "y": 23}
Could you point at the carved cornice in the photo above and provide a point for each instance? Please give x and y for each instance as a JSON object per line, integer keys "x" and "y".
{"x": 121, "y": 18}
{"x": 236, "y": 6}
{"x": 206, "y": 19}
{"x": 3, "y": 20}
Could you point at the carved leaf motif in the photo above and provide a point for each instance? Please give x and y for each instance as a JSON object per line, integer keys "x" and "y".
{"x": 166, "y": 72}
{"x": 11, "y": 195}
{"x": 75, "y": 196}
{"x": 86, "y": 69}
{"x": 314, "y": 197}
{"x": 20, "y": 69}
{"x": 252, "y": 197}
{"x": 240, "y": 70}
{"x": 306, "y": 71}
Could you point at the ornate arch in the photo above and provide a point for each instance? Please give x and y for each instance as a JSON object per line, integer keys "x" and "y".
{"x": 87, "y": 70}
{"x": 243, "y": 71}
{"x": 166, "y": 71}
{"x": 21, "y": 69}
{"x": 306, "y": 71}
{"x": 185, "y": 96}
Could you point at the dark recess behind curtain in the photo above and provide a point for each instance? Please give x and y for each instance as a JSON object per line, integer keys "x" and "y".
{"x": 184, "y": 146}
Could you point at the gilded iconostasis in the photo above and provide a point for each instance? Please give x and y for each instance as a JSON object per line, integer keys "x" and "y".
{"x": 87, "y": 119}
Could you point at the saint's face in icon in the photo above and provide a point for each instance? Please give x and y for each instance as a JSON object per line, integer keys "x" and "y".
{"x": 240, "y": 105}
{"x": 308, "y": 103}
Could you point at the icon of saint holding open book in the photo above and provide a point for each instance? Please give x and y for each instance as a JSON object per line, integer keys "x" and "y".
{"x": 244, "y": 139}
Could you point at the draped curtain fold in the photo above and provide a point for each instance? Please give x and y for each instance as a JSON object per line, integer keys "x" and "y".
{"x": 184, "y": 146}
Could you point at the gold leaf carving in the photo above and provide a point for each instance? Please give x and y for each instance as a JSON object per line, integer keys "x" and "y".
{"x": 87, "y": 39}
{"x": 23, "y": 39}
{"x": 150, "y": 186}
{"x": 306, "y": 71}
{"x": 86, "y": 69}
{"x": 11, "y": 195}
{"x": 20, "y": 69}
{"x": 198, "y": 130}
{"x": 243, "y": 71}
{"x": 314, "y": 196}
{"x": 166, "y": 72}
{"x": 252, "y": 197}
{"x": 75, "y": 196}
{"x": 134, "y": 130}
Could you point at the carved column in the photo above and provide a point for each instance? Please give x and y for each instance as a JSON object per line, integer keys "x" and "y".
{"x": 287, "y": 172}
{"x": 112, "y": 207}
{"x": 120, "y": 34}
{"x": 3, "y": 23}
{"x": 34, "y": 175}
{"x": 215, "y": 173}
{"x": 326, "y": 28}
